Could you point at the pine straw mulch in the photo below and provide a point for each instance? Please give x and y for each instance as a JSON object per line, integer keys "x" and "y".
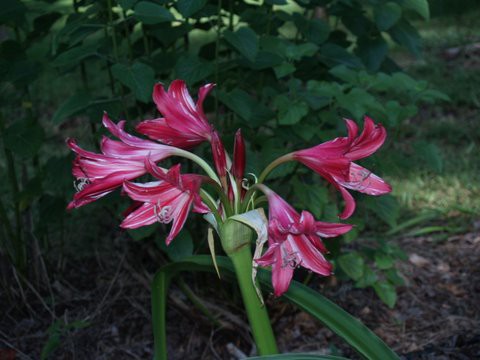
{"x": 437, "y": 315}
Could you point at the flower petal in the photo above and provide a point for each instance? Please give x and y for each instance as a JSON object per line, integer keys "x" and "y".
{"x": 281, "y": 276}
{"x": 158, "y": 129}
{"x": 309, "y": 256}
{"x": 142, "y": 216}
{"x": 365, "y": 181}
{"x": 327, "y": 230}
{"x": 370, "y": 140}
{"x": 349, "y": 203}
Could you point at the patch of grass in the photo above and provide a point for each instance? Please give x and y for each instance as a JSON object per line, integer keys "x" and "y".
{"x": 451, "y": 127}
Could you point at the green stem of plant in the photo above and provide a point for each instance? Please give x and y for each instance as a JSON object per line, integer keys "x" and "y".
{"x": 251, "y": 192}
{"x": 197, "y": 302}
{"x": 211, "y": 205}
{"x": 127, "y": 33}
{"x": 200, "y": 162}
{"x": 273, "y": 165}
{"x": 256, "y": 311}
{"x": 145, "y": 41}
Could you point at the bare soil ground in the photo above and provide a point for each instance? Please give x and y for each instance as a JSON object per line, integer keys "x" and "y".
{"x": 105, "y": 303}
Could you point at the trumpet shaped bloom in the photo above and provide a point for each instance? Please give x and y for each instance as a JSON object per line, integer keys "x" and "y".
{"x": 168, "y": 200}
{"x": 295, "y": 240}
{"x": 100, "y": 174}
{"x": 334, "y": 161}
{"x": 184, "y": 123}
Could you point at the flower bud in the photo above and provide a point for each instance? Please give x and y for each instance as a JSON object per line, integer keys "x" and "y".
{"x": 238, "y": 166}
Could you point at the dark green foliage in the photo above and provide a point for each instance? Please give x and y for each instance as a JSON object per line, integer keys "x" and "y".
{"x": 285, "y": 74}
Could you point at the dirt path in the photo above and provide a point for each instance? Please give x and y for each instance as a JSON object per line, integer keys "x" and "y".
{"x": 437, "y": 315}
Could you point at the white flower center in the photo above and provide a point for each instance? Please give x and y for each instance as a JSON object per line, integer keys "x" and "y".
{"x": 80, "y": 183}
{"x": 163, "y": 214}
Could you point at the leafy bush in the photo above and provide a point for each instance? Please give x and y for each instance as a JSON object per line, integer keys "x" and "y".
{"x": 286, "y": 72}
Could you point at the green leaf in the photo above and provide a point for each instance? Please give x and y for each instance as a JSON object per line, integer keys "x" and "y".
{"x": 362, "y": 339}
{"x": 314, "y": 30}
{"x": 143, "y": 232}
{"x": 372, "y": 51}
{"x": 405, "y": 34}
{"x": 431, "y": 95}
{"x": 73, "y": 56}
{"x": 150, "y": 13}
{"x": 283, "y": 70}
{"x": 421, "y": 218}
{"x": 181, "y": 247}
{"x": 386, "y": 292}
{"x": 394, "y": 277}
{"x": 12, "y": 11}
{"x": 73, "y": 105}
{"x": 53, "y": 341}
{"x": 138, "y": 77}
{"x": 358, "y": 102}
{"x": 306, "y": 130}
{"x": 297, "y": 356}
{"x": 245, "y": 106}
{"x": 244, "y": 40}
{"x": 383, "y": 261}
{"x": 394, "y": 112}
{"x": 385, "y": 207}
{"x": 264, "y": 60}
{"x": 24, "y": 138}
{"x": 332, "y": 54}
{"x": 367, "y": 279}
{"x": 276, "y": 45}
{"x": 421, "y": 7}
{"x": 353, "y": 265}
{"x": 297, "y": 52}
{"x": 42, "y": 25}
{"x": 126, "y": 4}
{"x": 312, "y": 197}
{"x": 276, "y": 2}
{"x": 211, "y": 247}
{"x": 430, "y": 154}
{"x": 290, "y": 112}
{"x": 386, "y": 15}
{"x": 189, "y": 7}
{"x": 167, "y": 35}
{"x": 345, "y": 73}
{"x": 193, "y": 69}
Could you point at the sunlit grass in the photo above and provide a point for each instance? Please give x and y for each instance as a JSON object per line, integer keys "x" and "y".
{"x": 447, "y": 193}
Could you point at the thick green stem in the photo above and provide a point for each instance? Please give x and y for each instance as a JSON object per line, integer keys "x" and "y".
{"x": 273, "y": 165}
{"x": 256, "y": 311}
{"x": 199, "y": 161}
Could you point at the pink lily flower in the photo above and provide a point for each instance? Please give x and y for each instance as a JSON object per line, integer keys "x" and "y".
{"x": 184, "y": 123}
{"x": 334, "y": 161}
{"x": 132, "y": 147}
{"x": 169, "y": 199}
{"x": 100, "y": 174}
{"x": 295, "y": 240}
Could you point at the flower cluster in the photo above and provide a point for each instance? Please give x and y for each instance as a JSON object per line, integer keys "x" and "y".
{"x": 293, "y": 239}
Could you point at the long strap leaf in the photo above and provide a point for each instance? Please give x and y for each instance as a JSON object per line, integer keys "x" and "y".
{"x": 297, "y": 357}
{"x": 361, "y": 338}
